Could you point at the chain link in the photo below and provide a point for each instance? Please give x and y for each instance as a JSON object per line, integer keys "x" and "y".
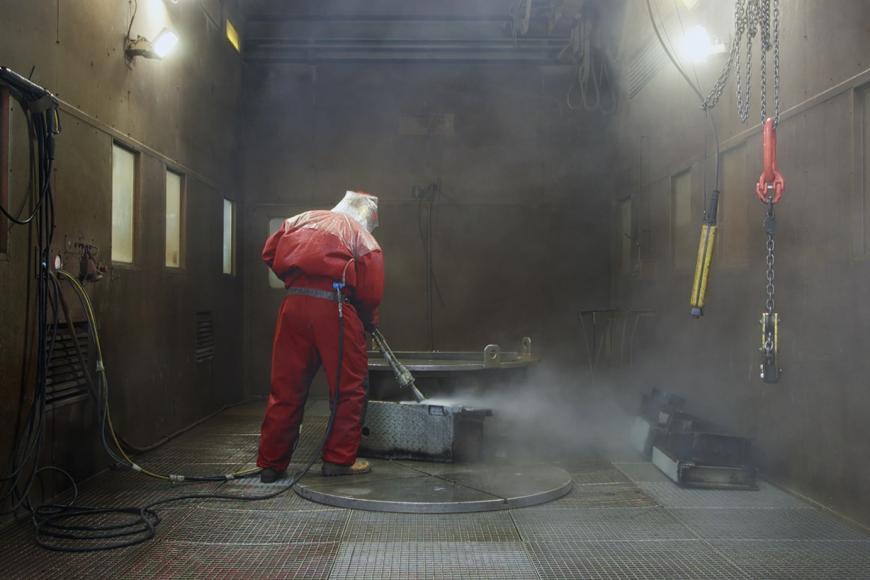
{"x": 751, "y": 18}
{"x": 764, "y": 43}
{"x": 776, "y": 62}
{"x": 733, "y": 57}
{"x": 770, "y": 273}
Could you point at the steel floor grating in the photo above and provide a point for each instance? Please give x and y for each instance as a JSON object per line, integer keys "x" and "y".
{"x": 808, "y": 560}
{"x": 622, "y": 520}
{"x": 132, "y": 498}
{"x": 22, "y": 558}
{"x": 376, "y": 560}
{"x": 392, "y": 527}
{"x": 599, "y": 560}
{"x": 244, "y": 526}
{"x": 603, "y": 495}
{"x": 642, "y": 472}
{"x": 613, "y": 524}
{"x": 768, "y": 524}
{"x": 597, "y": 474}
{"x": 671, "y": 495}
{"x": 251, "y": 486}
{"x": 193, "y": 560}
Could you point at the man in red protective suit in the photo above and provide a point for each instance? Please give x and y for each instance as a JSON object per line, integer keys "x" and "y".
{"x": 311, "y": 253}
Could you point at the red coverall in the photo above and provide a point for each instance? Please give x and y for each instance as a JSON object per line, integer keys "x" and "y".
{"x": 313, "y": 250}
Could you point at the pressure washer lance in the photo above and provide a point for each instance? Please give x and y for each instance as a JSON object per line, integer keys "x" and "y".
{"x": 401, "y": 372}
{"x": 705, "y": 257}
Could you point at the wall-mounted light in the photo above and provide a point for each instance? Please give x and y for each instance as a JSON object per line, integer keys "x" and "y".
{"x": 696, "y": 45}
{"x": 162, "y": 46}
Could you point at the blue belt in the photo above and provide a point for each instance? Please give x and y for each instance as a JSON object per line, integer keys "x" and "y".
{"x": 315, "y": 293}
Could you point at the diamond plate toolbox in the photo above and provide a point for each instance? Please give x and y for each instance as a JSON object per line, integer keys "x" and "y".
{"x": 443, "y": 433}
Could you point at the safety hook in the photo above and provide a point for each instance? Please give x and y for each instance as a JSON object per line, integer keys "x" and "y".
{"x": 771, "y": 178}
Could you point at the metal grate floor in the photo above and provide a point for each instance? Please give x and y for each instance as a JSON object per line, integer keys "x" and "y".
{"x": 433, "y": 560}
{"x": 596, "y": 560}
{"x": 193, "y": 560}
{"x": 622, "y": 520}
{"x": 584, "y": 525}
{"x": 603, "y": 495}
{"x": 391, "y": 527}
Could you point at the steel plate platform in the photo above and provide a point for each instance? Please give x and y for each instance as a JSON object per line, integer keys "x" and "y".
{"x": 420, "y": 487}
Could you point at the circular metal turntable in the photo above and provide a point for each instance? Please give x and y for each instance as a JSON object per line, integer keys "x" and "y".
{"x": 419, "y": 487}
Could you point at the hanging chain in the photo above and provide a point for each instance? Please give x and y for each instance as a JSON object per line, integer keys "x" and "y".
{"x": 764, "y": 42}
{"x": 770, "y": 229}
{"x": 744, "y": 96}
{"x": 776, "y": 62}
{"x": 751, "y": 18}
{"x": 733, "y": 58}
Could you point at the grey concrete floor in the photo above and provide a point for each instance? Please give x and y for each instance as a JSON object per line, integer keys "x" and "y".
{"x": 622, "y": 520}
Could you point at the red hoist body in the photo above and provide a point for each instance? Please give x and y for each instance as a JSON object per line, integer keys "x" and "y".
{"x": 769, "y": 190}
{"x": 770, "y": 175}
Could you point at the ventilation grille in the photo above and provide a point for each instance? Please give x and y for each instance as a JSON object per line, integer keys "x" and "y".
{"x": 204, "y": 350}
{"x": 65, "y": 377}
{"x": 642, "y": 67}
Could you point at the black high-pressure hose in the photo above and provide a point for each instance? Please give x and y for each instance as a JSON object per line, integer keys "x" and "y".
{"x": 40, "y": 109}
{"x": 50, "y": 521}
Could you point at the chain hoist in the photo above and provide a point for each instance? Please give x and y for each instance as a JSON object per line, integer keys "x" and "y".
{"x": 769, "y": 190}
{"x": 756, "y": 18}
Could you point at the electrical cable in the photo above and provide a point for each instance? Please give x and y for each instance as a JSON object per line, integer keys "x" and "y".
{"x": 60, "y": 522}
{"x": 133, "y": 17}
{"x": 124, "y": 458}
{"x": 695, "y": 89}
{"x": 40, "y": 110}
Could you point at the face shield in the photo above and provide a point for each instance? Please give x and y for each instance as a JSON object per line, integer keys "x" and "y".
{"x": 361, "y": 207}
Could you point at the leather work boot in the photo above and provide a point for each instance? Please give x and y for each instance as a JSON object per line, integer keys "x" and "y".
{"x": 359, "y": 467}
{"x": 270, "y": 475}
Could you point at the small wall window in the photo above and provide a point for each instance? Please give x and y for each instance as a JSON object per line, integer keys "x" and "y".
{"x": 123, "y": 204}
{"x": 734, "y": 206}
{"x": 624, "y": 239}
{"x": 174, "y": 219}
{"x": 233, "y": 36}
{"x": 274, "y": 225}
{"x": 229, "y": 237}
{"x": 681, "y": 221}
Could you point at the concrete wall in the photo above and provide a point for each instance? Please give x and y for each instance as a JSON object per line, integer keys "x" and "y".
{"x": 180, "y": 114}
{"x": 520, "y": 234}
{"x": 811, "y": 428}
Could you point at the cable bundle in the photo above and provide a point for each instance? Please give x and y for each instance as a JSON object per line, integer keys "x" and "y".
{"x": 40, "y": 109}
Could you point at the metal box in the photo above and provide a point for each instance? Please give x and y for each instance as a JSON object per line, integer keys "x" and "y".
{"x": 410, "y": 430}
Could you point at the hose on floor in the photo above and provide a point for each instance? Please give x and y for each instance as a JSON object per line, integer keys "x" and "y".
{"x": 119, "y": 453}
{"x": 58, "y": 527}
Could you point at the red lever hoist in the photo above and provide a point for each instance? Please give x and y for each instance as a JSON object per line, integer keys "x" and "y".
{"x": 769, "y": 190}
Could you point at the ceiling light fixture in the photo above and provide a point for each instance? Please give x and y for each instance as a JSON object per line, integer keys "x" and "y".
{"x": 696, "y": 45}
{"x": 162, "y": 46}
